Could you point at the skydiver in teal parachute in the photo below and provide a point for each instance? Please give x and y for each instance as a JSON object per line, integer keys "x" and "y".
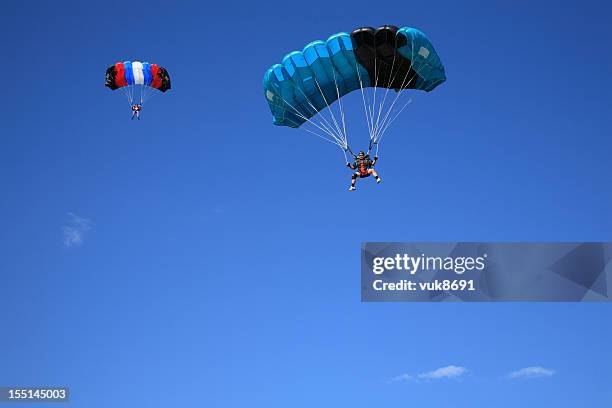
{"x": 303, "y": 88}
{"x": 364, "y": 166}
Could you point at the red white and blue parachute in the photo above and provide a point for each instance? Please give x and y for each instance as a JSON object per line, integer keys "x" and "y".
{"x": 137, "y": 79}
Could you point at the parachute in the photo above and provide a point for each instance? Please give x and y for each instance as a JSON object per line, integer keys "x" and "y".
{"x": 137, "y": 79}
{"x": 309, "y": 81}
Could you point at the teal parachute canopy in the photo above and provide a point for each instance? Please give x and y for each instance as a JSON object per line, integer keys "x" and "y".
{"x": 308, "y": 81}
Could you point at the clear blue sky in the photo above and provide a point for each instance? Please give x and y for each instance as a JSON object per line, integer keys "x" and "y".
{"x": 219, "y": 262}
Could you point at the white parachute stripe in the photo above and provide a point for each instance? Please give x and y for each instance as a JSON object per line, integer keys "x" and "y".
{"x": 138, "y": 74}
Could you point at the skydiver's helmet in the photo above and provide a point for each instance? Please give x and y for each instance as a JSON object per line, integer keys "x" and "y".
{"x": 361, "y": 155}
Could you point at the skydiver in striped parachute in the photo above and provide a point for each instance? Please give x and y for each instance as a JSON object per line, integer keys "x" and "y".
{"x": 364, "y": 166}
{"x": 136, "y": 111}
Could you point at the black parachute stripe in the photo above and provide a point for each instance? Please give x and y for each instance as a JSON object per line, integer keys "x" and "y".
{"x": 111, "y": 73}
{"x": 377, "y": 51}
{"x": 165, "y": 77}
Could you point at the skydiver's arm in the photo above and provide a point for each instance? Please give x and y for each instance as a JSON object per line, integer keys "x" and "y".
{"x": 351, "y": 166}
{"x": 375, "y": 160}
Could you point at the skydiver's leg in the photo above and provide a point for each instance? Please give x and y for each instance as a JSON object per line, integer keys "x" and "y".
{"x": 375, "y": 174}
{"x": 353, "y": 182}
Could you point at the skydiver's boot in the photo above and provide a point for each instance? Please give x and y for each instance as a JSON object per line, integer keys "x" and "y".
{"x": 378, "y": 179}
{"x": 352, "y": 188}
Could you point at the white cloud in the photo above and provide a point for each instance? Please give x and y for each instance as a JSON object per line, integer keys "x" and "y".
{"x": 532, "y": 372}
{"x": 74, "y": 231}
{"x": 402, "y": 377}
{"x": 450, "y": 371}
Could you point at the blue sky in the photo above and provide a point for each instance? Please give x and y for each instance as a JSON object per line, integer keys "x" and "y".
{"x": 213, "y": 259}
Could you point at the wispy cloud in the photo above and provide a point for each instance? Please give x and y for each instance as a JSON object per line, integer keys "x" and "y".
{"x": 451, "y": 371}
{"x": 402, "y": 377}
{"x": 531, "y": 372}
{"x": 75, "y": 229}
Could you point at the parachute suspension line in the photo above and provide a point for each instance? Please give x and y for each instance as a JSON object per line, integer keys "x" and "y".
{"x": 370, "y": 102}
{"x": 401, "y": 90}
{"x": 321, "y": 126}
{"x": 389, "y": 122}
{"x": 124, "y": 90}
{"x": 382, "y": 104}
{"x": 303, "y": 116}
{"x": 332, "y": 140}
{"x": 331, "y": 112}
{"x": 316, "y": 134}
{"x": 336, "y": 136}
{"x": 147, "y": 93}
{"x": 365, "y": 109}
{"x": 341, "y": 107}
{"x": 380, "y": 125}
{"x": 310, "y": 131}
{"x": 153, "y": 92}
{"x": 345, "y": 157}
{"x": 382, "y": 132}
{"x": 376, "y": 71}
{"x": 130, "y": 89}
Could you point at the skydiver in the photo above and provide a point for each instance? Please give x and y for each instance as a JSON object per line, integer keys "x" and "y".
{"x": 363, "y": 165}
{"x": 136, "y": 111}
